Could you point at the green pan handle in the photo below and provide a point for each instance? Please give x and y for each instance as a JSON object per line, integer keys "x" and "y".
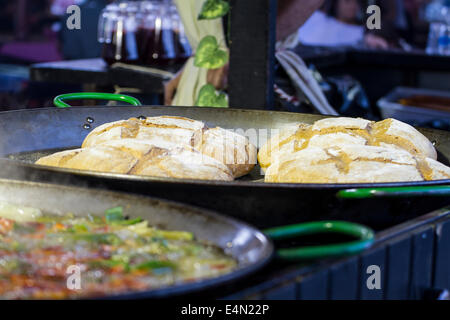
{"x": 365, "y": 238}
{"x": 59, "y": 101}
{"x": 431, "y": 191}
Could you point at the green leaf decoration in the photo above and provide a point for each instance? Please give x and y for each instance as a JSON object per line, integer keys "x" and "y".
{"x": 208, "y": 97}
{"x": 214, "y": 9}
{"x": 209, "y": 55}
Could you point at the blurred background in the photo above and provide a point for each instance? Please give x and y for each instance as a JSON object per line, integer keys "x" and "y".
{"x": 33, "y": 31}
{"x": 414, "y": 43}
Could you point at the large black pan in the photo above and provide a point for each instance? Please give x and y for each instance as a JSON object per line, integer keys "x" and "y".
{"x": 28, "y": 135}
{"x": 251, "y": 249}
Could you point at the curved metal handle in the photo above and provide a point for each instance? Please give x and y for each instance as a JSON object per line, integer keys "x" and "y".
{"x": 59, "y": 100}
{"x": 365, "y": 236}
{"x": 430, "y": 191}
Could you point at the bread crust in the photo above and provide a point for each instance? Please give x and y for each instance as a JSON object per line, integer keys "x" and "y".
{"x": 347, "y": 150}
{"x": 141, "y": 157}
{"x": 349, "y": 164}
{"x": 230, "y": 148}
{"x": 330, "y": 132}
{"x": 177, "y": 130}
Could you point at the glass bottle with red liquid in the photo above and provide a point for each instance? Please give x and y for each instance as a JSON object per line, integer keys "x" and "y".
{"x": 165, "y": 43}
{"x": 118, "y": 29}
{"x": 143, "y": 32}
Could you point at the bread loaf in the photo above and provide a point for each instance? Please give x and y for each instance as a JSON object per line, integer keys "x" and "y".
{"x": 353, "y": 164}
{"x": 101, "y": 159}
{"x": 231, "y": 149}
{"x": 347, "y": 150}
{"x": 176, "y": 130}
{"x": 141, "y": 157}
{"x": 331, "y": 132}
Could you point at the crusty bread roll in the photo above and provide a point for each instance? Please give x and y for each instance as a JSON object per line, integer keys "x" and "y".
{"x": 142, "y": 157}
{"x": 400, "y": 134}
{"x": 353, "y": 164}
{"x": 331, "y": 132}
{"x": 232, "y": 149}
{"x": 435, "y": 170}
{"x": 103, "y": 159}
{"x": 177, "y": 130}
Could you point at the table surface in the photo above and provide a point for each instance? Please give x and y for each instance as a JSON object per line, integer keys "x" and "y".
{"x": 392, "y": 58}
{"x": 96, "y": 71}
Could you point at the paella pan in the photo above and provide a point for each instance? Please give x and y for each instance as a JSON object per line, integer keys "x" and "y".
{"x": 32, "y": 134}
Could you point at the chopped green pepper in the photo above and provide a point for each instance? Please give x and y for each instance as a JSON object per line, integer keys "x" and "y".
{"x": 102, "y": 238}
{"x": 154, "y": 265}
{"x": 127, "y": 222}
{"x": 114, "y": 214}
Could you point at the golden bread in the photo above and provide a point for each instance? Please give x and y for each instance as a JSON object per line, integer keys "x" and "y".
{"x": 172, "y": 129}
{"x": 353, "y": 164}
{"x": 331, "y": 132}
{"x": 101, "y": 159}
{"x": 141, "y": 157}
{"x": 232, "y": 149}
{"x": 400, "y": 134}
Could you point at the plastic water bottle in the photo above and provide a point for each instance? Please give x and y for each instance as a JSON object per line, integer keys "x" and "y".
{"x": 438, "y": 14}
{"x": 433, "y": 38}
{"x": 443, "y": 39}
{"x": 447, "y": 49}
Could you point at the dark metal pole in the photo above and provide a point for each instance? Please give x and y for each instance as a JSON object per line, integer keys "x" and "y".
{"x": 252, "y": 53}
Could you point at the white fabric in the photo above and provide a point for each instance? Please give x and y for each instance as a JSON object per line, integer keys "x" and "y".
{"x": 322, "y": 30}
{"x": 302, "y": 79}
{"x": 193, "y": 78}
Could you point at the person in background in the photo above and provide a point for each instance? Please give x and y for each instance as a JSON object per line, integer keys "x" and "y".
{"x": 291, "y": 14}
{"x": 402, "y": 22}
{"x": 339, "y": 23}
{"x": 415, "y": 10}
